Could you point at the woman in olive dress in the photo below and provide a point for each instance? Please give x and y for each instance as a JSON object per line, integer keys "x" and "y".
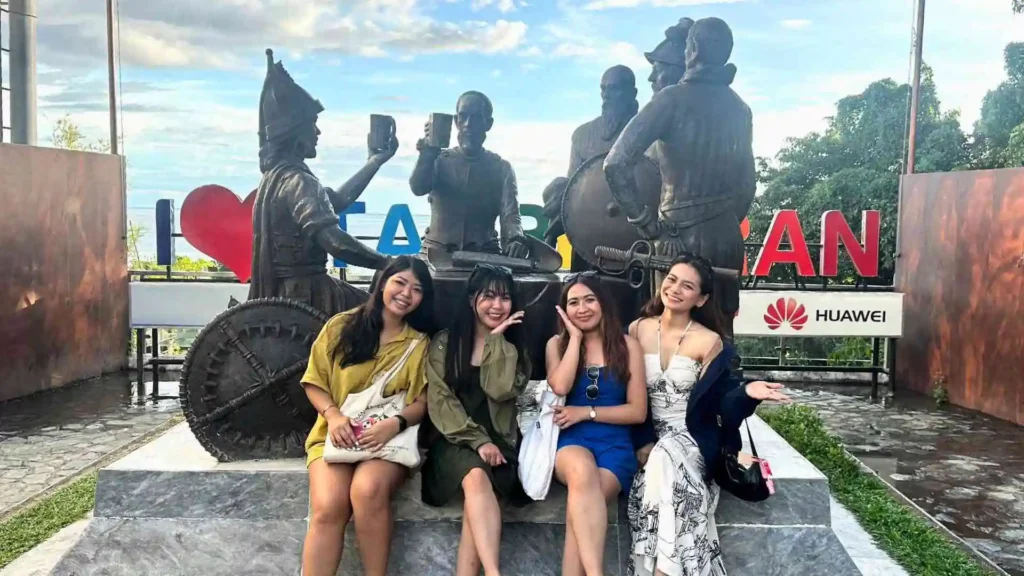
{"x": 475, "y": 371}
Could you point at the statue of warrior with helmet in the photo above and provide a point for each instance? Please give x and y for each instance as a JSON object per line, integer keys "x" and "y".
{"x": 295, "y": 218}
{"x": 702, "y": 136}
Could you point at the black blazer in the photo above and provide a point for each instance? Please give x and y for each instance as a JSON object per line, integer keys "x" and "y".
{"x": 718, "y": 405}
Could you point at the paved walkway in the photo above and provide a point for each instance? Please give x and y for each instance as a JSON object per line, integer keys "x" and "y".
{"x": 49, "y": 437}
{"x": 964, "y": 468}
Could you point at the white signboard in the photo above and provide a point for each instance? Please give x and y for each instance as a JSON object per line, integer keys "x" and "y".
{"x": 819, "y": 313}
{"x": 181, "y": 304}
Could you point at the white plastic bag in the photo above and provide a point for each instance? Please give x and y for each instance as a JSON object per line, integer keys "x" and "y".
{"x": 537, "y": 452}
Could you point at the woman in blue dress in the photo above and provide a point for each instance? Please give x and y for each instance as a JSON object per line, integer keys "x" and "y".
{"x": 600, "y": 371}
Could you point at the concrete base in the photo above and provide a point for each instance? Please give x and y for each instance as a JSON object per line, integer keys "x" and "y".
{"x": 171, "y": 508}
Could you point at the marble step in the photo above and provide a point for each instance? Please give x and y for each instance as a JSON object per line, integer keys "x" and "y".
{"x": 212, "y": 547}
{"x": 174, "y": 478}
{"x": 170, "y": 508}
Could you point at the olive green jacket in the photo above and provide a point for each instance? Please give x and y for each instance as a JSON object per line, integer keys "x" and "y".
{"x": 500, "y": 380}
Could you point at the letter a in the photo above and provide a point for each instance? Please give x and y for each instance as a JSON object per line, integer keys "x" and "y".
{"x": 785, "y": 223}
{"x": 398, "y": 213}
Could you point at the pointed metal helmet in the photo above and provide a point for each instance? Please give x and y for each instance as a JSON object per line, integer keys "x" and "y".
{"x": 672, "y": 50}
{"x": 284, "y": 105}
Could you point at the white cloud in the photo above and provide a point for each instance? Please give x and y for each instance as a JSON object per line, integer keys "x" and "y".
{"x": 609, "y": 4}
{"x": 219, "y": 34}
{"x": 503, "y": 6}
{"x": 796, "y": 24}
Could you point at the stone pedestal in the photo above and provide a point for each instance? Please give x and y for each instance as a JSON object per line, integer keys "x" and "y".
{"x": 170, "y": 508}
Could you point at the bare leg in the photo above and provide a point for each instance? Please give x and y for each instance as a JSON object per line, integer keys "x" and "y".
{"x": 330, "y": 511}
{"x": 373, "y": 484}
{"x": 571, "y": 565}
{"x": 468, "y": 563}
{"x": 481, "y": 508}
{"x": 575, "y": 467}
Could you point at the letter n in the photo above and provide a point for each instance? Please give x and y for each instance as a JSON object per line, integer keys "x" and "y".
{"x": 863, "y": 253}
{"x": 785, "y": 224}
{"x": 398, "y": 214}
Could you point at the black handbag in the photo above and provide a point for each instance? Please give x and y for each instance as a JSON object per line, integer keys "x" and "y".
{"x": 744, "y": 483}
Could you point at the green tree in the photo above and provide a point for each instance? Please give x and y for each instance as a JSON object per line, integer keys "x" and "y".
{"x": 855, "y": 164}
{"x": 67, "y": 135}
{"x": 1002, "y": 111}
{"x": 1018, "y": 6}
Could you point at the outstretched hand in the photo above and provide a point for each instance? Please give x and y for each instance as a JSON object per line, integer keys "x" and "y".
{"x": 516, "y": 318}
{"x": 762, "y": 390}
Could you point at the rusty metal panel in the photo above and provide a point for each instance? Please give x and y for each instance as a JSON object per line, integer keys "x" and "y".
{"x": 961, "y": 244}
{"x": 63, "y": 268}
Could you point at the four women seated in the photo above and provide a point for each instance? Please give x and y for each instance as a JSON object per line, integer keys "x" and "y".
{"x": 467, "y": 380}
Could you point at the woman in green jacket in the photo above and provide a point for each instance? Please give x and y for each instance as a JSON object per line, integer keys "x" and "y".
{"x": 475, "y": 372}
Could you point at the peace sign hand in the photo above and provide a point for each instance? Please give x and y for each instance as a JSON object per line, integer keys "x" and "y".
{"x": 516, "y": 318}
{"x": 762, "y": 390}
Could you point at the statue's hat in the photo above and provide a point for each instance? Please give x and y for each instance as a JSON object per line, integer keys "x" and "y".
{"x": 284, "y": 105}
{"x": 672, "y": 50}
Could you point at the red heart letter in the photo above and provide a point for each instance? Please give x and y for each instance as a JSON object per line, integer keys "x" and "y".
{"x": 218, "y": 224}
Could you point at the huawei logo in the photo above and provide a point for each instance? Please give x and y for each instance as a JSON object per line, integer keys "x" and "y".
{"x": 786, "y": 311}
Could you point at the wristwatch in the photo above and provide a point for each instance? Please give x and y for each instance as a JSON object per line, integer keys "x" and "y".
{"x": 593, "y": 413}
{"x": 402, "y": 423}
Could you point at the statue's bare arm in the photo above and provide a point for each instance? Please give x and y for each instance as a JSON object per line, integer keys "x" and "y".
{"x": 350, "y": 191}
{"x": 344, "y": 246}
{"x": 424, "y": 172}
{"x": 311, "y": 209}
{"x": 642, "y": 131}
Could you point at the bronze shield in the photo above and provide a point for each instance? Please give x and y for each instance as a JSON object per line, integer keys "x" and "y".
{"x": 591, "y": 215}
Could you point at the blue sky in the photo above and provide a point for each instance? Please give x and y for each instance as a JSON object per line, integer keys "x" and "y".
{"x": 191, "y": 72}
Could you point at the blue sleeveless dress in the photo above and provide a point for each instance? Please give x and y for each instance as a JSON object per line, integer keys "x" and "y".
{"x": 611, "y": 444}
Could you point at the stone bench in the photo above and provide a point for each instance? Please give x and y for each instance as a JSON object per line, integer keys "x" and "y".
{"x": 169, "y": 507}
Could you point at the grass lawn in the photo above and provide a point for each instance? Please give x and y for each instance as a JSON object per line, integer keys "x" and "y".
{"x": 24, "y": 530}
{"x": 909, "y": 539}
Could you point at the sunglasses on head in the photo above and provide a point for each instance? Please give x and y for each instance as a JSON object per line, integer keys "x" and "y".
{"x": 593, "y": 372}
{"x": 577, "y": 275}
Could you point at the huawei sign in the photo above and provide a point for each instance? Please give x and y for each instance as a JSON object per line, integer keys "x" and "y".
{"x": 785, "y": 311}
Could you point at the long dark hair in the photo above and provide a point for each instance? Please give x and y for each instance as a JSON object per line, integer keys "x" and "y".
{"x": 710, "y": 314}
{"x": 463, "y": 328}
{"x": 616, "y": 354}
{"x": 360, "y": 336}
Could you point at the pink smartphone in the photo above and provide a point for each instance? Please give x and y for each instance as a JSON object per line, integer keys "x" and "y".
{"x": 766, "y": 472}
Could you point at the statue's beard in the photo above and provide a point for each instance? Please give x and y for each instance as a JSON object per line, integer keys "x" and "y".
{"x": 472, "y": 142}
{"x": 615, "y": 116}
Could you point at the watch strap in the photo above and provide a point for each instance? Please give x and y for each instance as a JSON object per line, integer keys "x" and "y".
{"x": 402, "y": 423}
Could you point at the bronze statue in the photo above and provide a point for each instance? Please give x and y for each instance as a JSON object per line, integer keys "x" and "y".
{"x": 618, "y": 106}
{"x": 295, "y": 219}
{"x": 703, "y": 131}
{"x": 469, "y": 188}
{"x": 668, "y": 59}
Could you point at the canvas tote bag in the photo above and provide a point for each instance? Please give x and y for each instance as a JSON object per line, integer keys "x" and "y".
{"x": 369, "y": 407}
{"x": 540, "y": 443}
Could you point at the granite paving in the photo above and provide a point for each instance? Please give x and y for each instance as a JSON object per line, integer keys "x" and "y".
{"x": 964, "y": 468}
{"x": 50, "y": 437}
